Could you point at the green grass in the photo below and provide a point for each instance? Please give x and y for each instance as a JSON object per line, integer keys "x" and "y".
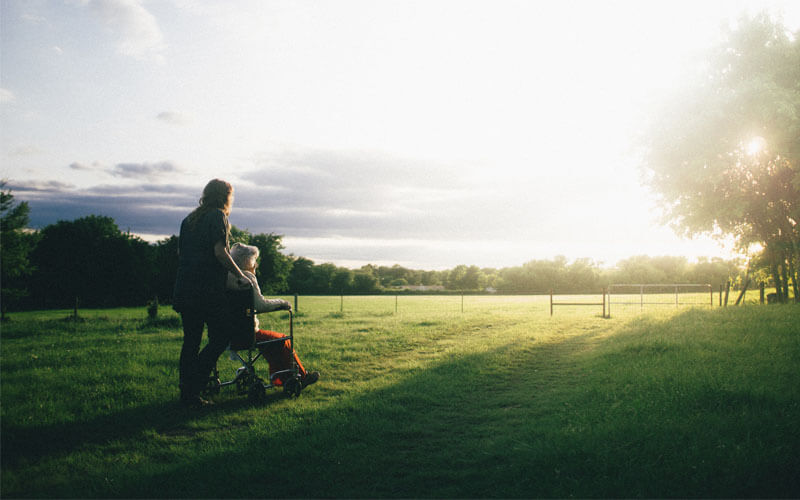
{"x": 500, "y": 400}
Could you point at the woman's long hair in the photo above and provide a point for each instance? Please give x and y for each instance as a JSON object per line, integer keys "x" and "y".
{"x": 217, "y": 195}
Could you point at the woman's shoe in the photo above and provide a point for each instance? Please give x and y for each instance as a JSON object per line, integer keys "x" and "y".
{"x": 310, "y": 378}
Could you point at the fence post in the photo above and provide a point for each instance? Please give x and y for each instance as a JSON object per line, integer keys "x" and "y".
{"x": 462, "y": 302}
{"x": 727, "y": 291}
{"x": 551, "y": 302}
{"x": 295, "y": 302}
{"x": 720, "y": 294}
{"x": 761, "y": 292}
{"x": 711, "y": 292}
{"x": 341, "y": 303}
{"x": 604, "y": 302}
{"x": 395, "y": 304}
{"x": 641, "y": 298}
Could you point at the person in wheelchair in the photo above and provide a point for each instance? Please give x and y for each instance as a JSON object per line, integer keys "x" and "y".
{"x": 279, "y": 355}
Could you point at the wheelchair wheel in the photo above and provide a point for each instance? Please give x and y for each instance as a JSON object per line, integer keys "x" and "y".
{"x": 256, "y": 392}
{"x": 292, "y": 386}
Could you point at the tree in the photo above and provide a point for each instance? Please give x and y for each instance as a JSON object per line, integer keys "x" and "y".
{"x": 723, "y": 152}
{"x": 323, "y": 278}
{"x": 342, "y": 280}
{"x": 91, "y": 260}
{"x": 15, "y": 245}
{"x": 273, "y": 266}
{"x": 455, "y": 279}
{"x": 165, "y": 268}
{"x": 301, "y": 276}
{"x": 365, "y": 281}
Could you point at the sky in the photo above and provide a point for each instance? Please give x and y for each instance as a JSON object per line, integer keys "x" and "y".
{"x": 427, "y": 134}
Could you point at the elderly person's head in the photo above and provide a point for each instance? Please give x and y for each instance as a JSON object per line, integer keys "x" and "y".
{"x": 245, "y": 256}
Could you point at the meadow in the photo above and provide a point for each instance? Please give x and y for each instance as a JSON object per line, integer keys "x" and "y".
{"x": 419, "y": 397}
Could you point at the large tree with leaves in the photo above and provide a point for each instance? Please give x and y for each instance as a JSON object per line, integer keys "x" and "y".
{"x": 724, "y": 150}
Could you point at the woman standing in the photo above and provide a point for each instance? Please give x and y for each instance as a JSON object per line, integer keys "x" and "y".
{"x": 204, "y": 261}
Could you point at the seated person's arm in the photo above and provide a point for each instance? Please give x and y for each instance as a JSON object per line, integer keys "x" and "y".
{"x": 262, "y": 304}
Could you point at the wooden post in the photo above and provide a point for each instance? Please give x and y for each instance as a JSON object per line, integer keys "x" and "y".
{"x": 720, "y": 294}
{"x": 761, "y": 292}
{"x": 727, "y": 291}
{"x": 75, "y": 311}
{"x": 462, "y": 302}
{"x": 604, "y": 302}
{"x": 641, "y": 298}
{"x": 341, "y": 303}
{"x": 711, "y": 292}
{"x": 295, "y": 302}
{"x": 551, "y": 302}
{"x": 395, "y": 304}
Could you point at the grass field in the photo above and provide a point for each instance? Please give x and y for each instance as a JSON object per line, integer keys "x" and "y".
{"x": 417, "y": 399}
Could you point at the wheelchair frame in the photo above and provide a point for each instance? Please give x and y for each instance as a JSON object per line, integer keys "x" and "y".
{"x": 245, "y": 379}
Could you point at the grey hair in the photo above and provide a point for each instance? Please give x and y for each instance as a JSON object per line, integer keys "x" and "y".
{"x": 244, "y": 254}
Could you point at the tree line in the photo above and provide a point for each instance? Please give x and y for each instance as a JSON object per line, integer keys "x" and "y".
{"x": 92, "y": 261}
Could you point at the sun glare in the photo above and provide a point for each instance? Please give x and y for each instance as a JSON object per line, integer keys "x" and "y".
{"x": 756, "y": 145}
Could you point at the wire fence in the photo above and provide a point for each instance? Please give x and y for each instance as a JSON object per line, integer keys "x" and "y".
{"x": 624, "y": 298}
{"x": 616, "y": 299}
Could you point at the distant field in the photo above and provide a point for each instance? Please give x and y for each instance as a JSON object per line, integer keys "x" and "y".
{"x": 417, "y": 399}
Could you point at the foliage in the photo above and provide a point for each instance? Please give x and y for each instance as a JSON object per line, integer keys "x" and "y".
{"x": 273, "y": 266}
{"x": 90, "y": 260}
{"x": 723, "y": 151}
{"x": 15, "y": 245}
{"x": 166, "y": 268}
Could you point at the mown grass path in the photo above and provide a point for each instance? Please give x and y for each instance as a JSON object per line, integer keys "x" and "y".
{"x": 498, "y": 401}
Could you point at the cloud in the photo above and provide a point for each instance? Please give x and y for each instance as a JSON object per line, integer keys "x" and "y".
{"x": 145, "y": 209}
{"x": 358, "y": 194}
{"x": 33, "y": 187}
{"x": 81, "y": 166}
{"x": 33, "y": 18}
{"x": 28, "y": 150}
{"x": 148, "y": 171}
{"x": 137, "y": 29}
{"x": 6, "y": 96}
{"x": 173, "y": 118}
{"x": 356, "y": 180}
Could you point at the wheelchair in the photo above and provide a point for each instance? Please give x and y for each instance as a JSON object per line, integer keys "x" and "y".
{"x": 245, "y": 350}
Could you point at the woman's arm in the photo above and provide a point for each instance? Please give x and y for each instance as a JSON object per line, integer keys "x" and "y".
{"x": 224, "y": 257}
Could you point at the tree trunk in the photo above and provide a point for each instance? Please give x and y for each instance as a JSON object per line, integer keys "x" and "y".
{"x": 776, "y": 277}
{"x": 793, "y": 276}
{"x": 785, "y": 276}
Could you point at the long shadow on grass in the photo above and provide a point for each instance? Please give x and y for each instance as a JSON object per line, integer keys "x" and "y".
{"x": 29, "y": 444}
{"x": 461, "y": 429}
{"x": 458, "y": 430}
